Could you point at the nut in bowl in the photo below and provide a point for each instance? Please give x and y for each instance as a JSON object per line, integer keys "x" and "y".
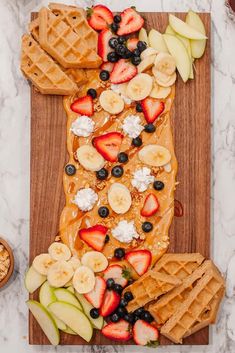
{"x": 6, "y": 262}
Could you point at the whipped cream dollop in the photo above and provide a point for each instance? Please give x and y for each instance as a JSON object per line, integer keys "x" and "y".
{"x": 132, "y": 126}
{"x": 83, "y": 126}
{"x": 118, "y": 88}
{"x": 125, "y": 232}
{"x": 142, "y": 178}
{"x": 85, "y": 199}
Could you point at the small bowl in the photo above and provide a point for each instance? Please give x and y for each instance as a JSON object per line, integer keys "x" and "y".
{"x": 10, "y": 270}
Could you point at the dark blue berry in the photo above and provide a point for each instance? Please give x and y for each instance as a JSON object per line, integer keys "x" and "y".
{"x": 118, "y": 288}
{"x": 113, "y": 42}
{"x": 122, "y": 157}
{"x": 102, "y": 174}
{"x": 110, "y": 283}
{"x": 141, "y": 46}
{"x": 103, "y": 211}
{"x": 119, "y": 253}
{"x": 147, "y": 227}
{"x": 158, "y": 185}
{"x": 121, "y": 311}
{"x": 117, "y": 18}
{"x": 117, "y": 171}
{"x": 137, "y": 141}
{"x": 123, "y": 302}
{"x": 128, "y": 296}
{"x": 70, "y": 169}
{"x": 139, "y": 107}
{"x": 104, "y": 75}
{"x": 149, "y": 128}
{"x": 136, "y": 60}
{"x": 114, "y": 317}
{"x": 92, "y": 93}
{"x": 94, "y": 313}
{"x": 112, "y": 57}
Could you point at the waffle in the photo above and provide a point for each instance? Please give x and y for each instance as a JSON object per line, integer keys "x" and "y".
{"x": 34, "y": 29}
{"x": 149, "y": 287}
{"x": 191, "y": 314}
{"x": 42, "y": 70}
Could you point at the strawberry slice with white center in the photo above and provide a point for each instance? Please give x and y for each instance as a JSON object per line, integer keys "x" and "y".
{"x": 96, "y": 296}
{"x": 110, "y": 303}
{"x": 83, "y": 106}
{"x": 107, "y": 66}
{"x": 103, "y": 44}
{"x": 152, "y": 108}
{"x": 131, "y": 22}
{"x": 140, "y": 260}
{"x": 108, "y": 145}
{"x": 118, "y": 273}
{"x": 119, "y": 331}
{"x": 145, "y": 334}
{"x": 99, "y": 17}
{"x": 123, "y": 71}
{"x": 94, "y": 236}
{"x": 151, "y": 206}
{"x": 132, "y": 43}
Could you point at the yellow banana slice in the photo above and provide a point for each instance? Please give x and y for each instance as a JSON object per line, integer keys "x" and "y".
{"x": 59, "y": 251}
{"x": 159, "y": 92}
{"x": 139, "y": 87}
{"x": 42, "y": 263}
{"x": 84, "y": 280}
{"x": 154, "y": 155}
{"x": 95, "y": 260}
{"x": 119, "y": 198}
{"x": 146, "y": 63}
{"x": 163, "y": 79}
{"x": 148, "y": 52}
{"x": 165, "y": 63}
{"x": 60, "y": 273}
{"x": 89, "y": 158}
{"x": 111, "y": 102}
{"x": 75, "y": 262}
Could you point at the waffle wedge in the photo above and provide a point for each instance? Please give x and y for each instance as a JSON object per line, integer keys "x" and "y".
{"x": 42, "y": 70}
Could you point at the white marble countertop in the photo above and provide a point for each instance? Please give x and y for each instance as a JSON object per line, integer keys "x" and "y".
{"x": 14, "y": 169}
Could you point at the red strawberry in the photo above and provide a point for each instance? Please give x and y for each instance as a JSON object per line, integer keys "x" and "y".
{"x": 145, "y": 334}
{"x": 117, "y": 331}
{"x": 152, "y": 108}
{"x": 107, "y": 66}
{"x": 99, "y": 17}
{"x": 118, "y": 273}
{"x": 103, "y": 44}
{"x": 110, "y": 303}
{"x": 131, "y": 22}
{"x": 132, "y": 43}
{"x": 108, "y": 145}
{"x": 151, "y": 205}
{"x": 123, "y": 71}
{"x": 96, "y": 296}
{"x": 94, "y": 236}
{"x": 83, "y": 106}
{"x": 139, "y": 260}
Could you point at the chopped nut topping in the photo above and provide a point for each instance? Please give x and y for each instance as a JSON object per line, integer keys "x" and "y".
{"x": 100, "y": 184}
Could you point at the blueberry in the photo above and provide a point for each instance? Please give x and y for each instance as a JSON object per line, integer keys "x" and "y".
{"x": 121, "y": 40}
{"x": 110, "y": 283}
{"x": 103, "y": 212}
{"x": 123, "y": 302}
{"x": 129, "y": 318}
{"x": 113, "y": 42}
{"x": 137, "y": 141}
{"x": 147, "y": 227}
{"x": 158, "y": 185}
{"x": 114, "y": 317}
{"x": 121, "y": 311}
{"x": 92, "y": 93}
{"x": 94, "y": 313}
{"x": 102, "y": 174}
{"x": 112, "y": 57}
{"x": 70, "y": 169}
{"x": 104, "y": 75}
{"x": 128, "y": 296}
{"x": 128, "y": 54}
{"x": 114, "y": 27}
{"x": 138, "y": 312}
{"x": 138, "y": 107}
{"x": 117, "y": 171}
{"x": 107, "y": 239}
{"x": 119, "y": 253}
{"x": 122, "y": 157}
{"x": 118, "y": 288}
{"x": 146, "y": 316}
{"x": 136, "y": 52}
{"x": 141, "y": 46}
{"x": 136, "y": 60}
{"x": 149, "y": 128}
{"x": 117, "y": 19}
{"x": 120, "y": 49}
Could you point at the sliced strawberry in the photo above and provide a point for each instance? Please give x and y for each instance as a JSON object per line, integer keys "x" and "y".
{"x": 132, "y": 43}
{"x": 83, "y": 105}
{"x": 94, "y": 236}
{"x": 140, "y": 260}
{"x": 119, "y": 331}
{"x": 99, "y": 17}
{"x": 123, "y": 71}
{"x": 152, "y": 108}
{"x": 108, "y": 145}
{"x": 96, "y": 296}
{"x": 107, "y": 66}
{"x": 103, "y": 44}
{"x": 131, "y": 22}
{"x": 118, "y": 273}
{"x": 151, "y": 205}
{"x": 145, "y": 334}
{"x": 110, "y": 303}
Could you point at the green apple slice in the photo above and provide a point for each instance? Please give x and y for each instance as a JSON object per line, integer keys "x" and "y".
{"x": 97, "y": 323}
{"x": 63, "y": 295}
{"x": 169, "y": 30}
{"x": 197, "y": 46}
{"x": 45, "y": 321}
{"x": 71, "y": 289}
{"x": 143, "y": 36}
{"x": 184, "y": 29}
{"x": 156, "y": 41}
{"x": 69, "y": 331}
{"x": 187, "y": 45}
{"x": 73, "y": 318}
{"x": 33, "y": 280}
{"x": 180, "y": 54}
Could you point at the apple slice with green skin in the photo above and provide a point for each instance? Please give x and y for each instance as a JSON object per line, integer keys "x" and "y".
{"x": 187, "y": 45}
{"x": 184, "y": 29}
{"x": 71, "y": 289}
{"x": 63, "y": 295}
{"x": 197, "y": 46}
{"x": 97, "y": 323}
{"x": 73, "y": 318}
{"x": 156, "y": 41}
{"x": 45, "y": 321}
{"x": 33, "y": 280}
{"x": 180, "y": 54}
{"x": 69, "y": 331}
{"x": 143, "y": 36}
{"x": 169, "y": 30}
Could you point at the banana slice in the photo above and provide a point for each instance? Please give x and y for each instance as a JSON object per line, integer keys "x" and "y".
{"x": 148, "y": 52}
{"x": 89, "y": 158}
{"x": 119, "y": 198}
{"x": 154, "y": 155}
{"x": 111, "y": 102}
{"x": 84, "y": 280}
{"x": 59, "y": 274}
{"x": 139, "y": 87}
{"x": 42, "y": 263}
{"x": 59, "y": 251}
{"x": 95, "y": 260}
{"x": 163, "y": 79}
{"x": 75, "y": 262}
{"x": 165, "y": 63}
{"x": 146, "y": 63}
{"x": 159, "y": 92}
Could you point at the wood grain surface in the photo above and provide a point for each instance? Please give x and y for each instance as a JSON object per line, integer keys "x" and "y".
{"x": 191, "y": 126}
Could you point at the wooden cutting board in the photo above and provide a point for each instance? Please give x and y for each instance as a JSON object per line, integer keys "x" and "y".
{"x": 191, "y": 117}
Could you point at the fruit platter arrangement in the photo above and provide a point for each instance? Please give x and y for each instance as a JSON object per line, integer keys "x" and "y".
{"x": 107, "y": 270}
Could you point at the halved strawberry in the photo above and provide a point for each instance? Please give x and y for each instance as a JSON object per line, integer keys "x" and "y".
{"x": 108, "y": 145}
{"x": 152, "y": 108}
{"x": 145, "y": 334}
{"x": 151, "y": 205}
{"x": 131, "y": 22}
{"x": 119, "y": 331}
{"x": 96, "y": 296}
{"x": 103, "y": 43}
{"x": 83, "y": 105}
{"x": 140, "y": 260}
{"x": 123, "y": 71}
{"x": 94, "y": 236}
{"x": 110, "y": 303}
{"x": 118, "y": 273}
{"x": 132, "y": 43}
{"x": 107, "y": 66}
{"x": 99, "y": 17}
